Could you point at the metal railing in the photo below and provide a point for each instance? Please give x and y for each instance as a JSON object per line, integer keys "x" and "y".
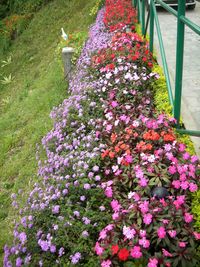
{"x": 152, "y": 19}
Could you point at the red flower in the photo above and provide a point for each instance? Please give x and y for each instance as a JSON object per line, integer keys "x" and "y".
{"x": 115, "y": 249}
{"x": 123, "y": 254}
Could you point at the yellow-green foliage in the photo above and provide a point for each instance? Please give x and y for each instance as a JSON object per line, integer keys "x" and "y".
{"x": 196, "y": 208}
{"x": 162, "y": 105}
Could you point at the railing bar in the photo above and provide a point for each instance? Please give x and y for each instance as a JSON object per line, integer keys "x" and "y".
{"x": 190, "y": 132}
{"x": 167, "y": 7}
{"x": 190, "y": 24}
{"x": 147, "y": 22}
{"x": 164, "y": 61}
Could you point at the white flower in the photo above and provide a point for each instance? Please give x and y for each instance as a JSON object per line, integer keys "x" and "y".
{"x": 108, "y": 75}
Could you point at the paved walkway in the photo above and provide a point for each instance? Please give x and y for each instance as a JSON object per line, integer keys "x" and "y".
{"x": 191, "y": 81}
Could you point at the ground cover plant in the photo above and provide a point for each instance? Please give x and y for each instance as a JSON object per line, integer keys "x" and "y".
{"x": 115, "y": 187}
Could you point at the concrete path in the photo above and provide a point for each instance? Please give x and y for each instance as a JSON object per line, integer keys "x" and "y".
{"x": 191, "y": 82}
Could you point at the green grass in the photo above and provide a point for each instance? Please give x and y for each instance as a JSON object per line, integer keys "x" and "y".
{"x": 26, "y": 102}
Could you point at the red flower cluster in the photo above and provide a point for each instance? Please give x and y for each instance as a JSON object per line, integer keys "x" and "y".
{"x": 118, "y": 14}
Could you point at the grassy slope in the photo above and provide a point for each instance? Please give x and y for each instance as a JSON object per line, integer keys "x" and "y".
{"x": 25, "y": 103}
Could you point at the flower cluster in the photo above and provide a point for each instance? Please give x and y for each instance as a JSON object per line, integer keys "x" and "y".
{"x": 119, "y": 14}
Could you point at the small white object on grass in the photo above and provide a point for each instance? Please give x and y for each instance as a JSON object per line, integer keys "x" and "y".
{"x": 64, "y": 35}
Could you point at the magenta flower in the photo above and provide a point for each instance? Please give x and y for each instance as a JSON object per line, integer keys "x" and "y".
{"x": 115, "y": 205}
{"x": 109, "y": 192}
{"x": 147, "y": 218}
{"x": 144, "y": 242}
{"x": 172, "y": 233}
{"x": 152, "y": 262}
{"x": 166, "y": 253}
{"x": 98, "y": 249}
{"x": 128, "y": 232}
{"x": 193, "y": 187}
{"x": 106, "y": 263}
{"x": 136, "y": 252}
{"x": 182, "y": 244}
{"x": 188, "y": 217}
{"x": 161, "y": 232}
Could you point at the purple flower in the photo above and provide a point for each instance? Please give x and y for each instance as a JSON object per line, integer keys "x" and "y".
{"x": 87, "y": 186}
{"x": 82, "y": 198}
{"x": 85, "y": 234}
{"x": 43, "y": 244}
{"x": 61, "y": 251}
{"x": 53, "y": 249}
{"x": 22, "y": 237}
{"x": 75, "y": 258}
{"x": 19, "y": 262}
{"x": 76, "y": 213}
{"x": 56, "y": 209}
{"x": 95, "y": 168}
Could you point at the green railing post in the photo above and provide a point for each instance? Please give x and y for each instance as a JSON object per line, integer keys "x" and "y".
{"x": 179, "y": 60}
{"x": 143, "y": 17}
{"x": 135, "y": 3}
{"x": 138, "y": 10}
{"x": 151, "y": 26}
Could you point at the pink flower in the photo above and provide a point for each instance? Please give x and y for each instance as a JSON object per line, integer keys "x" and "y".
{"x": 152, "y": 262}
{"x": 109, "y": 127}
{"x": 184, "y": 185}
{"x": 114, "y": 104}
{"x": 196, "y": 235}
{"x": 193, "y": 187}
{"x": 182, "y": 147}
{"x": 172, "y": 169}
{"x": 143, "y": 233}
{"x": 165, "y": 221}
{"x": 129, "y": 158}
{"x": 182, "y": 244}
{"x": 194, "y": 158}
{"x": 109, "y": 192}
{"x": 115, "y": 216}
{"x": 166, "y": 253}
{"x": 186, "y": 156}
{"x": 136, "y": 252}
{"x": 128, "y": 232}
{"x": 106, "y": 263}
{"x": 147, "y": 218}
{"x": 161, "y": 232}
{"x": 188, "y": 217}
{"x": 102, "y": 234}
{"x": 144, "y": 242}
{"x": 144, "y": 207}
{"x": 143, "y": 182}
{"x": 172, "y": 233}
{"x": 176, "y": 184}
{"x": 98, "y": 249}
{"x": 115, "y": 205}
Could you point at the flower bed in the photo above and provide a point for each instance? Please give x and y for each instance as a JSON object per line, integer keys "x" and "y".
{"x": 116, "y": 185}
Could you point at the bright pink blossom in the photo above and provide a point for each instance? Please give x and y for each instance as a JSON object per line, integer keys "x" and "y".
{"x": 98, "y": 249}
{"x": 106, "y": 263}
{"x": 182, "y": 244}
{"x": 193, "y": 187}
{"x": 147, "y": 218}
{"x": 172, "y": 233}
{"x": 136, "y": 252}
{"x": 152, "y": 262}
{"x": 166, "y": 253}
{"x": 161, "y": 232}
{"x": 188, "y": 217}
{"x": 115, "y": 205}
{"x": 144, "y": 242}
